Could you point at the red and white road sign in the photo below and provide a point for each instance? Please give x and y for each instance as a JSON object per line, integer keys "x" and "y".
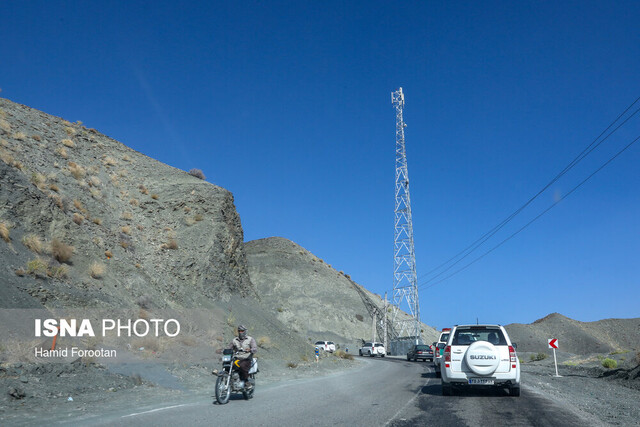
{"x": 553, "y": 343}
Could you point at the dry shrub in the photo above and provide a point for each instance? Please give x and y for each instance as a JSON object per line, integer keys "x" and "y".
{"x": 78, "y": 204}
{"x": 36, "y": 137}
{"x": 171, "y": 244}
{"x": 38, "y": 179}
{"x": 198, "y": 217}
{"x": 154, "y": 196}
{"x": 124, "y": 244}
{"x": 264, "y": 342}
{"x": 97, "y": 269}
{"x": 70, "y": 131}
{"x": 292, "y": 365}
{"x": 140, "y": 227}
{"x": 59, "y": 272}
{"x": 344, "y": 355}
{"x": 138, "y": 265}
{"x": 76, "y": 170}
{"x": 126, "y": 158}
{"x": 20, "y": 136}
{"x": 143, "y": 314}
{"x": 68, "y": 143}
{"x": 7, "y": 158}
{"x": 94, "y": 181}
{"x": 108, "y": 254}
{"x": 197, "y": 173}
{"x": 33, "y": 243}
{"x": 187, "y": 209}
{"x": 126, "y": 229}
{"x": 109, "y": 161}
{"x": 62, "y": 152}
{"x": 95, "y": 193}
{"x": 4, "y": 232}
{"x": 189, "y": 221}
{"x": 54, "y": 187}
{"x": 127, "y": 215}
{"x": 143, "y": 189}
{"x": 97, "y": 221}
{"x": 61, "y": 251}
{"x": 59, "y": 201}
{"x": 359, "y": 317}
{"x": 4, "y": 125}
{"x": 77, "y": 218}
{"x": 134, "y": 202}
{"x": 37, "y": 266}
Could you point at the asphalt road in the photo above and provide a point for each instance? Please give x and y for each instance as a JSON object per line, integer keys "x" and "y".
{"x": 389, "y": 391}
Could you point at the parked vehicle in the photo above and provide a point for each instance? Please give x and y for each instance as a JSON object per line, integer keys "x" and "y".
{"x": 229, "y": 379}
{"x": 480, "y": 356}
{"x": 420, "y": 351}
{"x": 372, "y": 349}
{"x": 438, "y": 349}
{"x": 329, "y": 346}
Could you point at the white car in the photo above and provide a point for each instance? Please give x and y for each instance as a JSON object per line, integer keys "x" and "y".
{"x": 373, "y": 349}
{"x": 328, "y": 346}
{"x": 480, "y": 356}
{"x": 438, "y": 349}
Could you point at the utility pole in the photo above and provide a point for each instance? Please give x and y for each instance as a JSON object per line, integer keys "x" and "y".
{"x": 386, "y": 334}
{"x": 405, "y": 278}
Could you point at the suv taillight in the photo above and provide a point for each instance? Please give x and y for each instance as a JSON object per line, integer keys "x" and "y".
{"x": 447, "y": 353}
{"x": 512, "y": 356}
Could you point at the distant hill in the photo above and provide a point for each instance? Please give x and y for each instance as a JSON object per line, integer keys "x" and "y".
{"x": 602, "y": 336}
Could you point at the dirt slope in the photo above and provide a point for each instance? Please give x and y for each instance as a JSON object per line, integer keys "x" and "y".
{"x": 310, "y": 296}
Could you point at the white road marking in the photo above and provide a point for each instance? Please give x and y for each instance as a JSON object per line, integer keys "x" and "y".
{"x": 156, "y": 410}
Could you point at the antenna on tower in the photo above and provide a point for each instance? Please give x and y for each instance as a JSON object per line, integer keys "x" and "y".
{"x": 405, "y": 278}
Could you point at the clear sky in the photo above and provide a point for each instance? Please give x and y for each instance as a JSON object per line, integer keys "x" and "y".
{"x": 287, "y": 105}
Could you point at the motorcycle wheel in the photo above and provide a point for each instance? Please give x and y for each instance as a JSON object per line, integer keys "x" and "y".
{"x": 223, "y": 392}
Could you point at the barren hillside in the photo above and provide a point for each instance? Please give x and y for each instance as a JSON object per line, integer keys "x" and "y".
{"x": 310, "y": 296}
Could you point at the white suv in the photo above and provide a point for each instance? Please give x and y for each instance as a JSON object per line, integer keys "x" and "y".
{"x": 480, "y": 355}
{"x": 328, "y": 346}
{"x": 373, "y": 349}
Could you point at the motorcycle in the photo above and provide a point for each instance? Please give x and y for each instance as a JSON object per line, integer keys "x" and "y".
{"x": 229, "y": 379}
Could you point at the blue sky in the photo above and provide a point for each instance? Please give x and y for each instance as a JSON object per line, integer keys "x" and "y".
{"x": 287, "y": 105}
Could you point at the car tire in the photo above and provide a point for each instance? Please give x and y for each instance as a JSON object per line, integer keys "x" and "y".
{"x": 514, "y": 391}
{"x": 408, "y": 359}
{"x": 360, "y": 353}
{"x": 371, "y": 354}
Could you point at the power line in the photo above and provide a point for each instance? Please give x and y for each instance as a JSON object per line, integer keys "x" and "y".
{"x": 486, "y": 236}
{"x": 534, "y": 219}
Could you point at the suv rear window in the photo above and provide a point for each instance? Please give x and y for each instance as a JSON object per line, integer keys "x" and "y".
{"x": 421, "y": 347}
{"x": 467, "y": 336}
{"x": 379, "y": 345}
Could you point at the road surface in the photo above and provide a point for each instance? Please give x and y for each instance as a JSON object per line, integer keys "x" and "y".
{"x": 382, "y": 392}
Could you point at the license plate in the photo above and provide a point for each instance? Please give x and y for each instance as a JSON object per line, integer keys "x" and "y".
{"x": 481, "y": 381}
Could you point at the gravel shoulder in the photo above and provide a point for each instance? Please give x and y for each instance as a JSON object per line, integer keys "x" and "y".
{"x": 586, "y": 390}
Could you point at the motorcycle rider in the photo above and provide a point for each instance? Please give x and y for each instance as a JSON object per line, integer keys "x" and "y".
{"x": 244, "y": 347}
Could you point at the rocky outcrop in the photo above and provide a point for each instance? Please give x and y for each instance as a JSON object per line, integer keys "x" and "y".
{"x": 139, "y": 229}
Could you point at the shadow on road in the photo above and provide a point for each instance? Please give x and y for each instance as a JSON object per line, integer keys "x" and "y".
{"x": 436, "y": 390}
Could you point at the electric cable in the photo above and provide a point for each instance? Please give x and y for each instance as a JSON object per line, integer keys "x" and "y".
{"x": 486, "y": 236}
{"x": 534, "y": 219}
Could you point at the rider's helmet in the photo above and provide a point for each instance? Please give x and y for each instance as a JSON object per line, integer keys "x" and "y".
{"x": 242, "y": 332}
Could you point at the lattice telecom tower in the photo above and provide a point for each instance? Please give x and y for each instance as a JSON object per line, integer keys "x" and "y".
{"x": 405, "y": 278}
